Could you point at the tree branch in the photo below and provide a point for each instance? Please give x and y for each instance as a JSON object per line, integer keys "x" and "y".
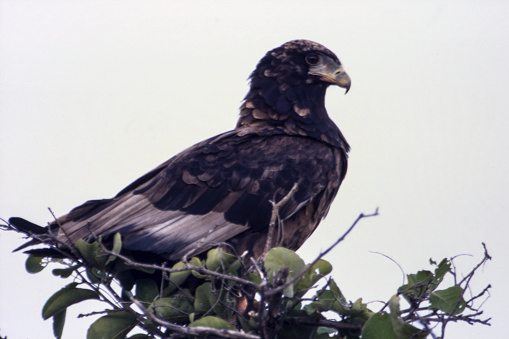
{"x": 327, "y": 323}
{"x": 320, "y": 256}
{"x": 274, "y": 216}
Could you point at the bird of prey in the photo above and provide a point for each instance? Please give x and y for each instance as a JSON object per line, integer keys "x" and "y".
{"x": 220, "y": 190}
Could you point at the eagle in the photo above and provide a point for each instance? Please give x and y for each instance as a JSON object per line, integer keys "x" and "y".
{"x": 221, "y": 191}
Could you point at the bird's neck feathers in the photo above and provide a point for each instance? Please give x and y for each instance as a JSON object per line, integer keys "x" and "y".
{"x": 297, "y": 109}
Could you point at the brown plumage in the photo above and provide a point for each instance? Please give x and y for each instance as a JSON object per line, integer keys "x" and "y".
{"x": 220, "y": 190}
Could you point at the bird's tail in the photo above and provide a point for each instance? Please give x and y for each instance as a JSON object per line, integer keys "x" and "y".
{"x": 26, "y": 226}
{"x": 30, "y": 229}
{"x": 38, "y": 235}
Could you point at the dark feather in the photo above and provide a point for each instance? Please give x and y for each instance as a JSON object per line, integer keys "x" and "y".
{"x": 26, "y": 226}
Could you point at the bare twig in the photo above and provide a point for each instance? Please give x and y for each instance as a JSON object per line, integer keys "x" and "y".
{"x": 274, "y": 218}
{"x": 395, "y": 262}
{"x": 327, "y": 323}
{"x": 471, "y": 300}
{"x": 84, "y": 315}
{"x": 69, "y": 244}
{"x": 320, "y": 256}
{"x": 485, "y": 259}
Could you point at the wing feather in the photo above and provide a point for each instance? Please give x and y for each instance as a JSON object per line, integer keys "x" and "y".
{"x": 211, "y": 193}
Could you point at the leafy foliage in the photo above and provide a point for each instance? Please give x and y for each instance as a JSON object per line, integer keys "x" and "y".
{"x": 222, "y": 295}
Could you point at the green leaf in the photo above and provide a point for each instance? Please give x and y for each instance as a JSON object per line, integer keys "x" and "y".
{"x": 66, "y": 297}
{"x": 245, "y": 324}
{"x": 93, "y": 278}
{"x": 197, "y": 262}
{"x": 401, "y": 329}
{"x": 325, "y": 330}
{"x": 220, "y": 261}
{"x": 176, "y": 278}
{"x": 254, "y": 278}
{"x": 65, "y": 272}
{"x": 417, "y": 285}
{"x": 99, "y": 273}
{"x": 421, "y": 277}
{"x": 323, "y": 304}
{"x": 449, "y": 300}
{"x": 146, "y": 290}
{"x": 214, "y": 322}
{"x": 92, "y": 253}
{"x": 338, "y": 295}
{"x": 333, "y": 300}
{"x": 443, "y": 268}
{"x": 115, "y": 325}
{"x": 34, "y": 264}
{"x": 394, "y": 306}
{"x": 175, "y": 309}
{"x": 279, "y": 257}
{"x": 379, "y": 326}
{"x": 359, "y": 311}
{"x": 320, "y": 269}
{"x": 117, "y": 247}
{"x": 204, "y": 299}
{"x": 58, "y": 323}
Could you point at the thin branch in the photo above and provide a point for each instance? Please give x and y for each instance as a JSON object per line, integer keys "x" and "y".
{"x": 320, "y": 256}
{"x": 327, "y": 323}
{"x": 486, "y": 290}
{"x": 274, "y": 217}
{"x": 84, "y": 315}
{"x": 486, "y": 258}
{"x": 395, "y": 262}
{"x": 69, "y": 244}
{"x": 470, "y": 319}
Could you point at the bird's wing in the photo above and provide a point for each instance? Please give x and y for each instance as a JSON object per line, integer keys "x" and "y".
{"x": 209, "y": 193}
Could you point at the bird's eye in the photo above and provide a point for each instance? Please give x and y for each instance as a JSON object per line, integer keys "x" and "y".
{"x": 312, "y": 59}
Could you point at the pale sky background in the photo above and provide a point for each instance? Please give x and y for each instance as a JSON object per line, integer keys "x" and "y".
{"x": 93, "y": 94}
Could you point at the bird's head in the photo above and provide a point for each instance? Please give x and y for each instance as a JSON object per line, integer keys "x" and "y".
{"x": 288, "y": 90}
{"x": 303, "y": 61}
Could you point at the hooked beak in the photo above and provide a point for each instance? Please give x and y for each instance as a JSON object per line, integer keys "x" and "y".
{"x": 332, "y": 72}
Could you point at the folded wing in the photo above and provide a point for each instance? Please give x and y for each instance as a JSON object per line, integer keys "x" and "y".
{"x": 214, "y": 192}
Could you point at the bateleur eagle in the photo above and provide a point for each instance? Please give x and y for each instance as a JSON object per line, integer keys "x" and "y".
{"x": 220, "y": 190}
